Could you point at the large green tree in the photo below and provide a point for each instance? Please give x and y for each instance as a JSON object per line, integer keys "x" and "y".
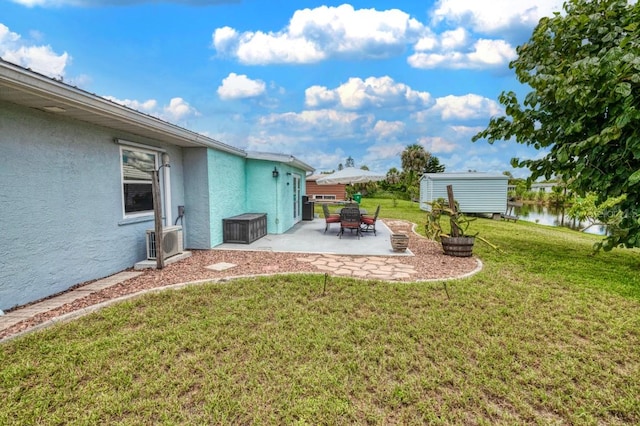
{"x": 584, "y": 110}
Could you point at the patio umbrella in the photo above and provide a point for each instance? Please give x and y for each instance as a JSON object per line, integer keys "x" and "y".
{"x": 350, "y": 175}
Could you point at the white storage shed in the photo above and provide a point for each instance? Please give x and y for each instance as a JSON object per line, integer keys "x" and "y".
{"x": 483, "y": 193}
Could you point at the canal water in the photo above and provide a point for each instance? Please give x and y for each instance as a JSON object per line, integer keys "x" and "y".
{"x": 553, "y": 216}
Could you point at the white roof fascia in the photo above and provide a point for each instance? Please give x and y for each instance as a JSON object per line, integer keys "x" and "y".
{"x": 33, "y": 83}
{"x": 280, "y": 158}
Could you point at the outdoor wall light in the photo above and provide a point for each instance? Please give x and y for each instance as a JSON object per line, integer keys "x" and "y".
{"x": 275, "y": 173}
{"x": 288, "y": 173}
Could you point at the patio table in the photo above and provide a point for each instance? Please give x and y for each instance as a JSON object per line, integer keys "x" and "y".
{"x": 362, "y": 211}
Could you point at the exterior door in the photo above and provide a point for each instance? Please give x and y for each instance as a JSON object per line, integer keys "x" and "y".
{"x": 297, "y": 198}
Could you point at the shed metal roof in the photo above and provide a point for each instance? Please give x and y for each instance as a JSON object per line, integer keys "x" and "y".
{"x": 467, "y": 175}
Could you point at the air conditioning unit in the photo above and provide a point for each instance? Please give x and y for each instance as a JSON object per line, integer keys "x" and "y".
{"x": 171, "y": 242}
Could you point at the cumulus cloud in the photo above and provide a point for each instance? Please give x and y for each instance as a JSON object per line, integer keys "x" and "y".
{"x": 321, "y": 33}
{"x": 490, "y": 17}
{"x": 467, "y": 107}
{"x": 373, "y": 92}
{"x": 86, "y": 3}
{"x": 41, "y": 59}
{"x": 437, "y": 145}
{"x": 177, "y": 109}
{"x": 147, "y": 106}
{"x": 319, "y": 119}
{"x": 451, "y": 52}
{"x": 387, "y": 129}
{"x": 236, "y": 86}
{"x": 382, "y": 151}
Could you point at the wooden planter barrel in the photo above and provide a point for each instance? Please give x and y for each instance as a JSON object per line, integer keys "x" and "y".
{"x": 458, "y": 246}
{"x": 399, "y": 242}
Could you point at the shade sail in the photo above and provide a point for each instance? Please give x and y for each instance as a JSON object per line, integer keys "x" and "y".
{"x": 350, "y": 175}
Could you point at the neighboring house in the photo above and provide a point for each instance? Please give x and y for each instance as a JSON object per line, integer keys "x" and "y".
{"x": 546, "y": 187}
{"x": 75, "y": 186}
{"x": 475, "y": 192}
{"x": 317, "y": 192}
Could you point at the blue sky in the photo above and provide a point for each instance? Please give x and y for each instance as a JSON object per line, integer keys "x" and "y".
{"x": 320, "y": 80}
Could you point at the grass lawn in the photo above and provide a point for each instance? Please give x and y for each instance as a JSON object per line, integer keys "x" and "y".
{"x": 545, "y": 334}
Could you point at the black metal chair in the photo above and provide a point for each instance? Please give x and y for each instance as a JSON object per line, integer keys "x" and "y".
{"x": 350, "y": 219}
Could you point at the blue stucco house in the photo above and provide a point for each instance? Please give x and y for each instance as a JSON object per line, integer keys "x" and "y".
{"x": 75, "y": 187}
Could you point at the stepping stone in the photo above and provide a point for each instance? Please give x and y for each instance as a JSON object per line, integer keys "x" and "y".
{"x": 222, "y": 266}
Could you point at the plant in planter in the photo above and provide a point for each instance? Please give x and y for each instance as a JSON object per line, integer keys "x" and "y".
{"x": 458, "y": 242}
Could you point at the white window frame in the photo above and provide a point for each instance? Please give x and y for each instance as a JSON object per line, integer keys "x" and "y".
{"x": 156, "y": 156}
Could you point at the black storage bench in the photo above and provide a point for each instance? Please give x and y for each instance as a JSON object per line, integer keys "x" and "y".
{"x": 244, "y": 228}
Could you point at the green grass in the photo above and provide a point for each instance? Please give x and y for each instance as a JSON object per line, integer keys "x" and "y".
{"x": 545, "y": 334}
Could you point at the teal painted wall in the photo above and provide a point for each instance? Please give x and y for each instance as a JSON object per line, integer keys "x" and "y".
{"x": 274, "y": 196}
{"x": 227, "y": 190}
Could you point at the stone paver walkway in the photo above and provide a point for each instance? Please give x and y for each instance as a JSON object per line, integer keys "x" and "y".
{"x": 372, "y": 267}
{"x": 12, "y": 318}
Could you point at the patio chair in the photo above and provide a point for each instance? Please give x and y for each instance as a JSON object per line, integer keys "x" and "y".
{"x": 329, "y": 217}
{"x": 350, "y": 219}
{"x": 369, "y": 222}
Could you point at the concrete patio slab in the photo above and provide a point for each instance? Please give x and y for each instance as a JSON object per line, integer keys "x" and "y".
{"x": 309, "y": 237}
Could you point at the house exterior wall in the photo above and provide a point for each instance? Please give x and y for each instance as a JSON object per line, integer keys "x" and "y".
{"x": 227, "y": 190}
{"x": 197, "y": 226}
{"x": 61, "y": 207}
{"x": 274, "y": 196}
{"x": 475, "y": 193}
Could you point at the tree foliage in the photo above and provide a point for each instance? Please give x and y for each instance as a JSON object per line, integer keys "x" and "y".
{"x": 415, "y": 162}
{"x": 584, "y": 109}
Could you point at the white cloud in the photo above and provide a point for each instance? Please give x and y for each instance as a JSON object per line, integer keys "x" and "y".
{"x": 467, "y": 130}
{"x": 178, "y": 109}
{"x": 482, "y": 54}
{"x": 41, "y": 59}
{"x": 320, "y": 119}
{"x": 493, "y": 16}
{"x": 321, "y": 33}
{"x": 236, "y": 86}
{"x": 454, "y": 39}
{"x": 467, "y": 107}
{"x": 437, "y": 145}
{"x": 373, "y": 92}
{"x": 380, "y": 152}
{"x": 387, "y": 129}
{"x": 491, "y": 52}
{"x": 225, "y": 39}
{"x": 147, "y": 106}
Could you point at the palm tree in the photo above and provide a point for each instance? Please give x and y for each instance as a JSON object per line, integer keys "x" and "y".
{"x": 414, "y": 159}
